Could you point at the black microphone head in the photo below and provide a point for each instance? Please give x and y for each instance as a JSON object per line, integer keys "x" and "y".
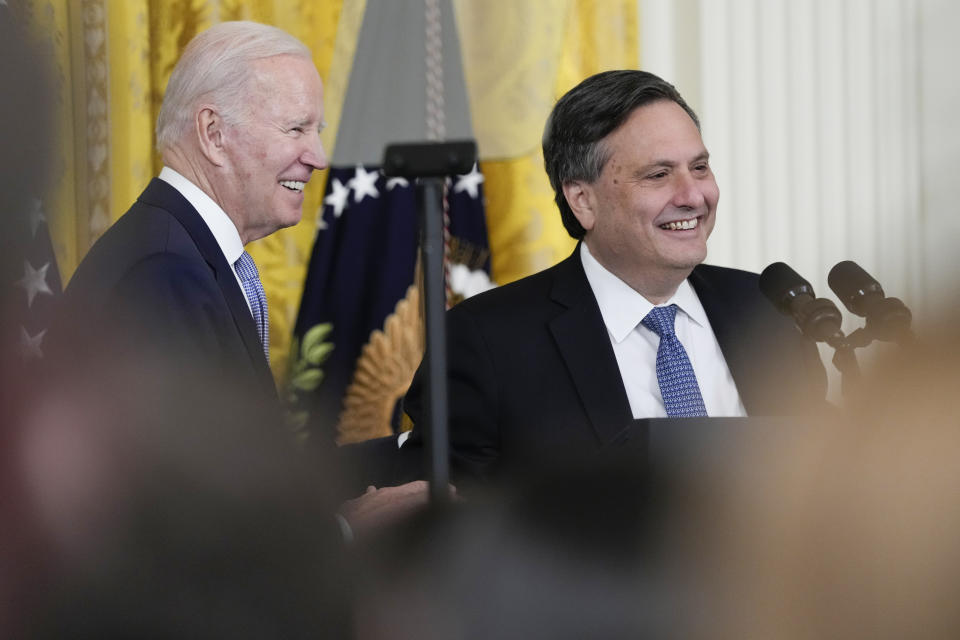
{"x": 858, "y": 290}
{"x": 782, "y": 285}
{"x": 817, "y": 318}
{"x": 889, "y": 319}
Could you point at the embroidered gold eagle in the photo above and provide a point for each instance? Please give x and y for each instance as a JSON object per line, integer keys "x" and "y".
{"x": 384, "y": 370}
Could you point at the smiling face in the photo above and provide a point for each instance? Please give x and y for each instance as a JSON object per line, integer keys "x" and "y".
{"x": 272, "y": 152}
{"x": 649, "y": 214}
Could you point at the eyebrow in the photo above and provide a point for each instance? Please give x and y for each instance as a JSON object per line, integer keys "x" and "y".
{"x": 305, "y": 122}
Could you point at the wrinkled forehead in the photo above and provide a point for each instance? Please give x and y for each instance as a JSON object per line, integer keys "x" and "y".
{"x": 282, "y": 71}
{"x": 285, "y": 83}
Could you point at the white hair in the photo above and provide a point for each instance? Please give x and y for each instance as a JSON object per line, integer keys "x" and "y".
{"x": 216, "y": 67}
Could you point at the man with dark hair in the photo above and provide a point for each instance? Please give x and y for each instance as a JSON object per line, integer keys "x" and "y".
{"x": 631, "y": 325}
{"x": 573, "y": 146}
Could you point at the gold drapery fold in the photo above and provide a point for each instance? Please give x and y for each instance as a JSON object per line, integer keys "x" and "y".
{"x": 519, "y": 57}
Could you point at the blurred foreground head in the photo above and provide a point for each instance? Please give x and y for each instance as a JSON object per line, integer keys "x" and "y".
{"x": 844, "y": 528}
{"x": 579, "y": 552}
{"x": 847, "y": 529}
{"x": 26, "y": 131}
{"x": 171, "y": 508}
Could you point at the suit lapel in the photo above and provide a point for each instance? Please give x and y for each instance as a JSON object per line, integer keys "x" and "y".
{"x": 582, "y": 340}
{"x": 728, "y": 327}
{"x": 159, "y": 193}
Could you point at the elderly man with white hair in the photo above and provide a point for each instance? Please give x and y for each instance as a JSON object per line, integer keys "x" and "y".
{"x": 239, "y": 132}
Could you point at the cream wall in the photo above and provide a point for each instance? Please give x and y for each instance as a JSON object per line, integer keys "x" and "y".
{"x": 833, "y": 129}
{"x": 939, "y": 81}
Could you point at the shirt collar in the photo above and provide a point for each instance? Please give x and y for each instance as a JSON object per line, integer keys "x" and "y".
{"x": 216, "y": 219}
{"x": 623, "y": 308}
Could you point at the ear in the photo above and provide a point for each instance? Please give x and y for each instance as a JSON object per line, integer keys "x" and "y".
{"x": 211, "y": 135}
{"x": 580, "y": 197}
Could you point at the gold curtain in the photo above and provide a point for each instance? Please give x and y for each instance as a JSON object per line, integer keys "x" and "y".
{"x": 113, "y": 59}
{"x": 519, "y": 57}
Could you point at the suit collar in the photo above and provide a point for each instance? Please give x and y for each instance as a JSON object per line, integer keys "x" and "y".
{"x": 568, "y": 289}
{"x": 582, "y": 340}
{"x": 221, "y": 226}
{"x": 161, "y": 194}
{"x": 623, "y": 308}
{"x": 717, "y": 308}
{"x": 726, "y": 320}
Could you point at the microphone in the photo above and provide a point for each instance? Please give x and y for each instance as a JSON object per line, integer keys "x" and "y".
{"x": 887, "y": 318}
{"x": 817, "y": 318}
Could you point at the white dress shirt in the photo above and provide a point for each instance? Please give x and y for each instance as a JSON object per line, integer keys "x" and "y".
{"x": 635, "y": 346}
{"x": 216, "y": 219}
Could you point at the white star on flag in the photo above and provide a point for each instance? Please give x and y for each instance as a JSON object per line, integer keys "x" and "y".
{"x": 320, "y": 222}
{"x": 397, "y": 182}
{"x": 30, "y": 345}
{"x": 36, "y": 216}
{"x": 34, "y": 281}
{"x": 338, "y": 197}
{"x": 364, "y": 183}
{"x": 470, "y": 182}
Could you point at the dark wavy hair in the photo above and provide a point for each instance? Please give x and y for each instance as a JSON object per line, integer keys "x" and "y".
{"x": 573, "y": 147}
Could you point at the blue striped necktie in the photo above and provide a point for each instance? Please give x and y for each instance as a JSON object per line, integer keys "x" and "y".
{"x": 253, "y": 288}
{"x": 678, "y": 382}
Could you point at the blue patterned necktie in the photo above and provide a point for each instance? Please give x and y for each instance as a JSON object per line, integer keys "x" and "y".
{"x": 252, "y": 286}
{"x": 678, "y": 382}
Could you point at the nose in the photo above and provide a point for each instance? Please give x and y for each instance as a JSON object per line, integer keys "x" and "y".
{"x": 314, "y": 155}
{"x": 688, "y": 191}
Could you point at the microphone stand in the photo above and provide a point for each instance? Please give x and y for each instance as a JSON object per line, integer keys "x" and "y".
{"x": 430, "y": 163}
{"x": 430, "y": 195}
{"x": 845, "y": 360}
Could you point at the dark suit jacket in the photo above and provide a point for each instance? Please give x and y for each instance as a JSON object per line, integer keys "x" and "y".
{"x": 158, "y": 280}
{"x": 533, "y": 376}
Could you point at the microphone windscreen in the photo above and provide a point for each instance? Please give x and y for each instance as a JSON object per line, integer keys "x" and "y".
{"x": 780, "y": 284}
{"x": 849, "y": 281}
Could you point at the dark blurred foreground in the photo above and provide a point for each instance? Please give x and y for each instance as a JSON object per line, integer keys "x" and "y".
{"x": 164, "y": 506}
{"x": 845, "y": 528}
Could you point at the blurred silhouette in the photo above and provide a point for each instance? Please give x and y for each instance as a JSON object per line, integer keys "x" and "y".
{"x": 25, "y": 117}
{"x": 847, "y": 528}
{"x": 842, "y": 527}
{"x": 176, "y": 520}
{"x": 582, "y": 551}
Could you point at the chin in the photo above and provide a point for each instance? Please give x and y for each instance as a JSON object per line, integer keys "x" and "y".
{"x": 289, "y": 221}
{"x": 688, "y": 261}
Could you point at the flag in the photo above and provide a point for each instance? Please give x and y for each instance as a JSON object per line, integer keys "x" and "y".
{"x": 38, "y": 284}
{"x": 406, "y": 84}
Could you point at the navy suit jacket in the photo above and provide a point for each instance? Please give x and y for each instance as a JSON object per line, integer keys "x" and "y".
{"x": 533, "y": 376}
{"x": 157, "y": 279}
